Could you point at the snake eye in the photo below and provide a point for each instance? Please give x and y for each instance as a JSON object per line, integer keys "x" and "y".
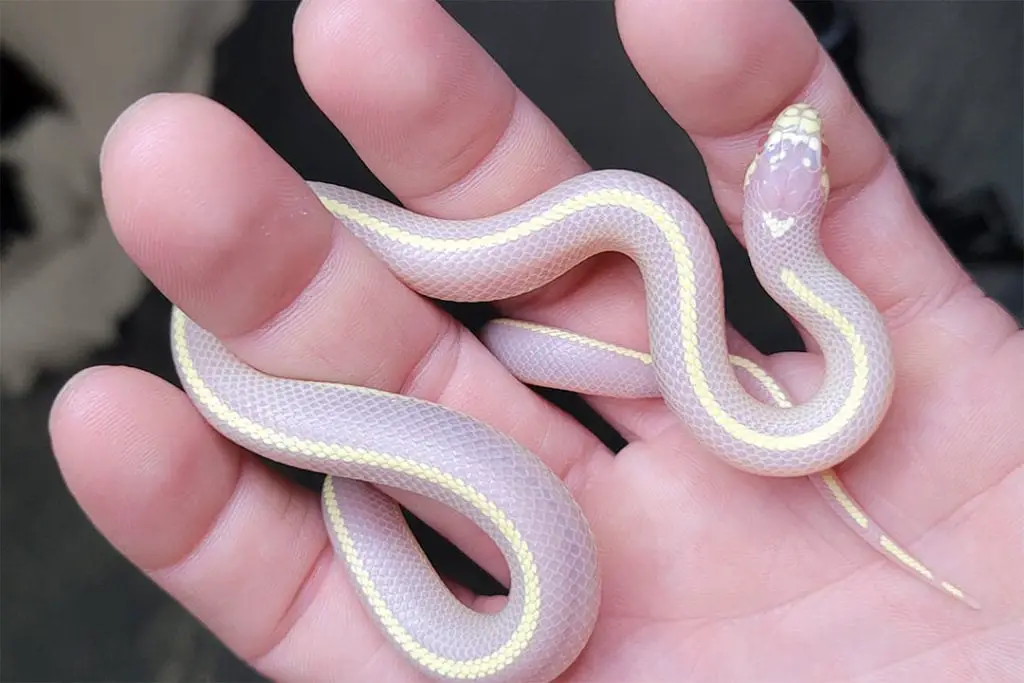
{"x": 824, "y": 150}
{"x": 760, "y": 143}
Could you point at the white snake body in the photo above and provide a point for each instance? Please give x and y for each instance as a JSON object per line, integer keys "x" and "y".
{"x": 359, "y": 435}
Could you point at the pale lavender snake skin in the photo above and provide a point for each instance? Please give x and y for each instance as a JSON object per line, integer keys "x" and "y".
{"x": 359, "y": 435}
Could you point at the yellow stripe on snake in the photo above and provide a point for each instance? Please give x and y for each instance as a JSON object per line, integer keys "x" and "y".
{"x": 362, "y": 437}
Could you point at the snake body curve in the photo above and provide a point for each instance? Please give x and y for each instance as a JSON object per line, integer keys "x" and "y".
{"x": 360, "y": 437}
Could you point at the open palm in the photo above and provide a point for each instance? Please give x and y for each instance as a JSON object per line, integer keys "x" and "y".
{"x": 709, "y": 573}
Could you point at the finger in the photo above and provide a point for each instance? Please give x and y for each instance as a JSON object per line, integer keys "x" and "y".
{"x": 426, "y": 108}
{"x": 725, "y": 83}
{"x": 231, "y": 234}
{"x": 212, "y": 528}
{"x": 442, "y": 126}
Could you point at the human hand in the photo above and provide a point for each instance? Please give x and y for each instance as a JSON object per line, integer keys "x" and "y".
{"x": 706, "y": 570}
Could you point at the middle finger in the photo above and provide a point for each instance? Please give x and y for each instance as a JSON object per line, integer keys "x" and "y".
{"x": 442, "y": 126}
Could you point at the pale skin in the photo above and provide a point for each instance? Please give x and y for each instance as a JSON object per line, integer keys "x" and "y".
{"x": 708, "y": 573}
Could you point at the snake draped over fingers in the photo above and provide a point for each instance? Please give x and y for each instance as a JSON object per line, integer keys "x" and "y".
{"x": 360, "y": 437}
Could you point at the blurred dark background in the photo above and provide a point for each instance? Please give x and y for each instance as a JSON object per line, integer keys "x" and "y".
{"x": 941, "y": 79}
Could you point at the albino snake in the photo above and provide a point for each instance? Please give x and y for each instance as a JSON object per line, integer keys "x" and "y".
{"x": 361, "y": 435}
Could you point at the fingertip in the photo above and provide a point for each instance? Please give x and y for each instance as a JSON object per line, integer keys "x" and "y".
{"x": 81, "y": 402}
{"x": 140, "y": 461}
{"x": 125, "y": 119}
{"x": 220, "y": 223}
{"x": 67, "y": 398}
{"x": 719, "y": 67}
{"x": 138, "y": 137}
{"x": 432, "y": 115}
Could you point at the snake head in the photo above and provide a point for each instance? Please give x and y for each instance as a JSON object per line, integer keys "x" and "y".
{"x": 788, "y": 176}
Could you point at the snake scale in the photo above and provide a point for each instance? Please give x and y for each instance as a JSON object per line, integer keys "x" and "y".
{"x": 361, "y": 437}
